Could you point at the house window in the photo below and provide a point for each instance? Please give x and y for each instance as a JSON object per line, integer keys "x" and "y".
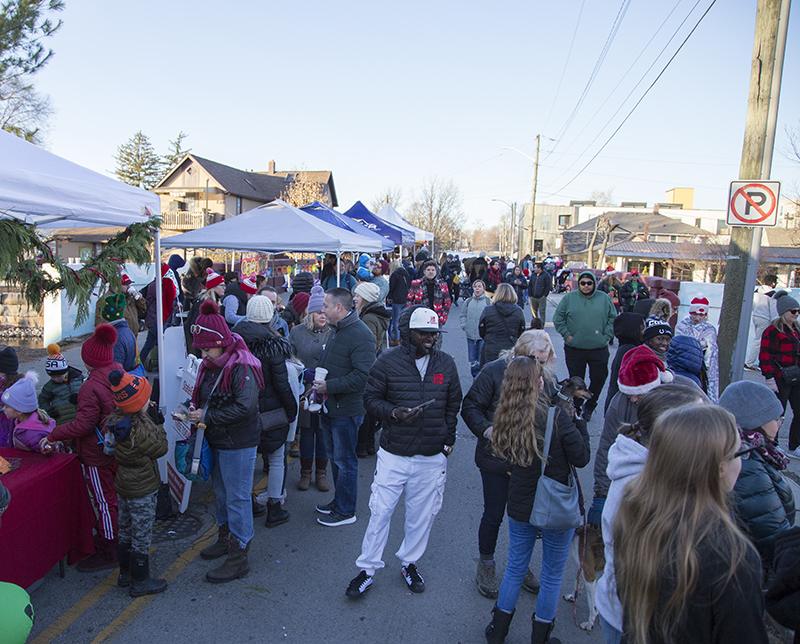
{"x": 544, "y": 222}
{"x": 698, "y": 222}
{"x": 673, "y": 239}
{"x": 563, "y": 221}
{"x": 238, "y": 205}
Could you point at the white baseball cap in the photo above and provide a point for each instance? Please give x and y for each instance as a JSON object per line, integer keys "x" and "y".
{"x": 424, "y": 319}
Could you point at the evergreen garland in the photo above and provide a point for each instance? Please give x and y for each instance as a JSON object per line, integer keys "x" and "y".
{"x": 21, "y": 243}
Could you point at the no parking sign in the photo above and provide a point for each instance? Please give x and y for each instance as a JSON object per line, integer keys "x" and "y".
{"x": 753, "y": 203}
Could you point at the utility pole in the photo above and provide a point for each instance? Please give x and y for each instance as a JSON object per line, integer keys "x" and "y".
{"x": 533, "y": 197}
{"x": 513, "y": 228}
{"x": 759, "y": 138}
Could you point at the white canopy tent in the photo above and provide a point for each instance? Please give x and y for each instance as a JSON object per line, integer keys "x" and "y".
{"x": 390, "y": 215}
{"x": 37, "y": 186}
{"x": 274, "y": 228}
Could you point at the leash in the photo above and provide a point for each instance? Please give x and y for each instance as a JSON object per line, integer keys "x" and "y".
{"x": 581, "y": 552}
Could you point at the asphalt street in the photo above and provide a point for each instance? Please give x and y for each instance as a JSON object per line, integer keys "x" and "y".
{"x": 300, "y": 570}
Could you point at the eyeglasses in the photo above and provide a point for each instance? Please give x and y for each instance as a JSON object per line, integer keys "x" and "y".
{"x": 585, "y": 283}
{"x": 196, "y": 328}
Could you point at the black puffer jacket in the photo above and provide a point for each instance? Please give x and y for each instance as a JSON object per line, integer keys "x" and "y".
{"x": 231, "y": 418}
{"x": 234, "y": 289}
{"x": 569, "y": 446}
{"x": 478, "y": 410}
{"x": 394, "y": 381}
{"x": 628, "y": 330}
{"x": 273, "y": 352}
{"x": 500, "y": 326}
{"x": 764, "y": 504}
{"x": 399, "y": 283}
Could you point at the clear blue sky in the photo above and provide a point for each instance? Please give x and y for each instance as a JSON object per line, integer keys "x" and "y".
{"x": 388, "y": 94}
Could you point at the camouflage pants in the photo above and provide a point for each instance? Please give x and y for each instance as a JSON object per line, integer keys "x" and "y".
{"x": 136, "y": 517}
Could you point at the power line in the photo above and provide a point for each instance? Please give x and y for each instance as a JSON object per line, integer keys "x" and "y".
{"x": 647, "y": 91}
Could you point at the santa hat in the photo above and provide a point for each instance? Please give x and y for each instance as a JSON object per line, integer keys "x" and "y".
{"x": 641, "y": 371}
{"x": 611, "y": 270}
{"x": 213, "y": 279}
{"x": 248, "y": 285}
{"x": 699, "y": 305}
{"x": 56, "y": 363}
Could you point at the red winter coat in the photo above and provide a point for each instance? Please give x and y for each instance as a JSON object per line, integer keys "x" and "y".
{"x": 95, "y": 403}
{"x": 418, "y": 294}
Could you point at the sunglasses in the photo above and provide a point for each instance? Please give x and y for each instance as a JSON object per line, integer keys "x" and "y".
{"x": 794, "y": 311}
{"x": 585, "y": 283}
{"x": 196, "y": 328}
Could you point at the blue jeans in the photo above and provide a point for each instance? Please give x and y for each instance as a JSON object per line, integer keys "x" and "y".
{"x": 394, "y": 329}
{"x": 556, "y": 543}
{"x": 341, "y": 436}
{"x": 149, "y": 343}
{"x": 232, "y": 478}
{"x": 474, "y": 355}
{"x": 610, "y": 634}
{"x": 311, "y": 438}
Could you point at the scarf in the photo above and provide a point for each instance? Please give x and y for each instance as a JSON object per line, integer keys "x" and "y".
{"x": 235, "y": 353}
{"x": 768, "y": 449}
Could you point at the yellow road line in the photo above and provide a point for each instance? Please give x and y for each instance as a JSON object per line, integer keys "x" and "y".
{"x": 85, "y": 603}
{"x": 126, "y": 617}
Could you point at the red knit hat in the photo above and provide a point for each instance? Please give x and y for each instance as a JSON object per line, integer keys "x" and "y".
{"x": 641, "y": 371}
{"x": 300, "y": 302}
{"x": 699, "y": 305}
{"x": 131, "y": 393}
{"x": 210, "y": 329}
{"x": 98, "y": 350}
{"x": 248, "y": 285}
{"x": 213, "y": 279}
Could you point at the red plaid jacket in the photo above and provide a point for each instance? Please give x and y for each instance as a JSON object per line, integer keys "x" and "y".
{"x": 778, "y": 349}
{"x": 418, "y": 294}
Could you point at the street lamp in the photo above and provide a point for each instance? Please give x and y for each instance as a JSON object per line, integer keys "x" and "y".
{"x": 513, "y": 207}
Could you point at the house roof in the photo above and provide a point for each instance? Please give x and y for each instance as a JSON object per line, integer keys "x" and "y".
{"x": 785, "y": 237}
{"x": 697, "y": 252}
{"x": 85, "y": 235}
{"x": 257, "y": 186}
{"x": 636, "y": 223}
{"x": 317, "y": 176}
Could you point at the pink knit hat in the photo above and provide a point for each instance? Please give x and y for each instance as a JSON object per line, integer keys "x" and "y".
{"x": 210, "y": 329}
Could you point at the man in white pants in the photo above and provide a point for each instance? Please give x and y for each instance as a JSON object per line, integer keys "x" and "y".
{"x": 415, "y": 391}
{"x": 764, "y": 312}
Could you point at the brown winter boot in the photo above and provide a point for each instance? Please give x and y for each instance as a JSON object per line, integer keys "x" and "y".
{"x": 234, "y": 566}
{"x": 321, "y": 479}
{"x": 306, "y": 465}
{"x": 104, "y": 557}
{"x": 220, "y": 546}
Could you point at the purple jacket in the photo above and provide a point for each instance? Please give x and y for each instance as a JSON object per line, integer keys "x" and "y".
{"x": 29, "y": 433}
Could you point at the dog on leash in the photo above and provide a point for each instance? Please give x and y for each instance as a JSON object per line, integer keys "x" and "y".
{"x": 588, "y": 552}
{"x": 569, "y": 390}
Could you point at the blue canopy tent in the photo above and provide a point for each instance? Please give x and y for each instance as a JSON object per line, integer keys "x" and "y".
{"x": 329, "y": 215}
{"x": 360, "y": 213}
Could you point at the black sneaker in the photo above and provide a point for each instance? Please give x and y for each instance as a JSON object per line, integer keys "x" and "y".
{"x": 327, "y": 508}
{"x": 335, "y": 519}
{"x": 359, "y": 586}
{"x": 414, "y": 580}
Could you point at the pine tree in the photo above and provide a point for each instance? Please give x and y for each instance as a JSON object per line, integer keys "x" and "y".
{"x": 176, "y": 152}
{"x": 137, "y": 162}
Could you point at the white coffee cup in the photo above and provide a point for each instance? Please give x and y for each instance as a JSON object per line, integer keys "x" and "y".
{"x": 320, "y": 373}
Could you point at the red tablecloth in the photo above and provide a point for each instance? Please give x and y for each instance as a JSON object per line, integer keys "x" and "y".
{"x": 50, "y": 516}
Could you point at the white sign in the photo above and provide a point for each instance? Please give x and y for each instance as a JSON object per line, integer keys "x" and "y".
{"x": 753, "y": 203}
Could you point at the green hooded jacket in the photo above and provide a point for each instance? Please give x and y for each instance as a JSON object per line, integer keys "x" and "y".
{"x": 588, "y": 319}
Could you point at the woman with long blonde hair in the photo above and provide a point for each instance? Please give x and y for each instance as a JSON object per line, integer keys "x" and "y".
{"x": 684, "y": 571}
{"x": 520, "y": 423}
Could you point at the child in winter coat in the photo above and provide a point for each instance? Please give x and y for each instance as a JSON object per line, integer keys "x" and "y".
{"x": 59, "y": 396}
{"x": 9, "y": 363}
{"x": 138, "y": 443}
{"x": 31, "y": 424}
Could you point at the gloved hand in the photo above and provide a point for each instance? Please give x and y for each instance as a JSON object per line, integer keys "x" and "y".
{"x": 773, "y": 386}
{"x": 308, "y": 376}
{"x": 122, "y": 430}
{"x": 595, "y": 514}
{"x": 405, "y": 414}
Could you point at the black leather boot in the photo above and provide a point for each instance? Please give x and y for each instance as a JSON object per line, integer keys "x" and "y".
{"x": 124, "y": 556}
{"x": 540, "y": 632}
{"x": 496, "y": 631}
{"x": 141, "y": 581}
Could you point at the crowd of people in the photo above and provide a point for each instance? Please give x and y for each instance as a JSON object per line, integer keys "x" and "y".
{"x": 356, "y": 351}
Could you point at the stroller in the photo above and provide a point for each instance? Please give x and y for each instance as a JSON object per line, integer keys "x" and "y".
{"x": 561, "y": 281}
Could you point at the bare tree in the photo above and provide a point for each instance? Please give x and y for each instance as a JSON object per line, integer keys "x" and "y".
{"x": 437, "y": 208}
{"x": 603, "y": 197}
{"x": 391, "y": 195}
{"x": 304, "y": 190}
{"x": 23, "y": 111}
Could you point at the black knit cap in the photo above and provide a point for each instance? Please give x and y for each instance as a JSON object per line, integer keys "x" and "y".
{"x": 9, "y": 362}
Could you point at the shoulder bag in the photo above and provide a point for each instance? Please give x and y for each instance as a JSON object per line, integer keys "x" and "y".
{"x": 555, "y": 506}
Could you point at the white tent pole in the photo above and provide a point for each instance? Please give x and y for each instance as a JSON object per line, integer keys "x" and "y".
{"x": 338, "y": 267}
{"x": 159, "y": 322}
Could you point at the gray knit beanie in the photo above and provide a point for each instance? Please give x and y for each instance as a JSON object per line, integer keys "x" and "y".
{"x": 785, "y": 302}
{"x": 316, "y": 300}
{"x": 752, "y": 403}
